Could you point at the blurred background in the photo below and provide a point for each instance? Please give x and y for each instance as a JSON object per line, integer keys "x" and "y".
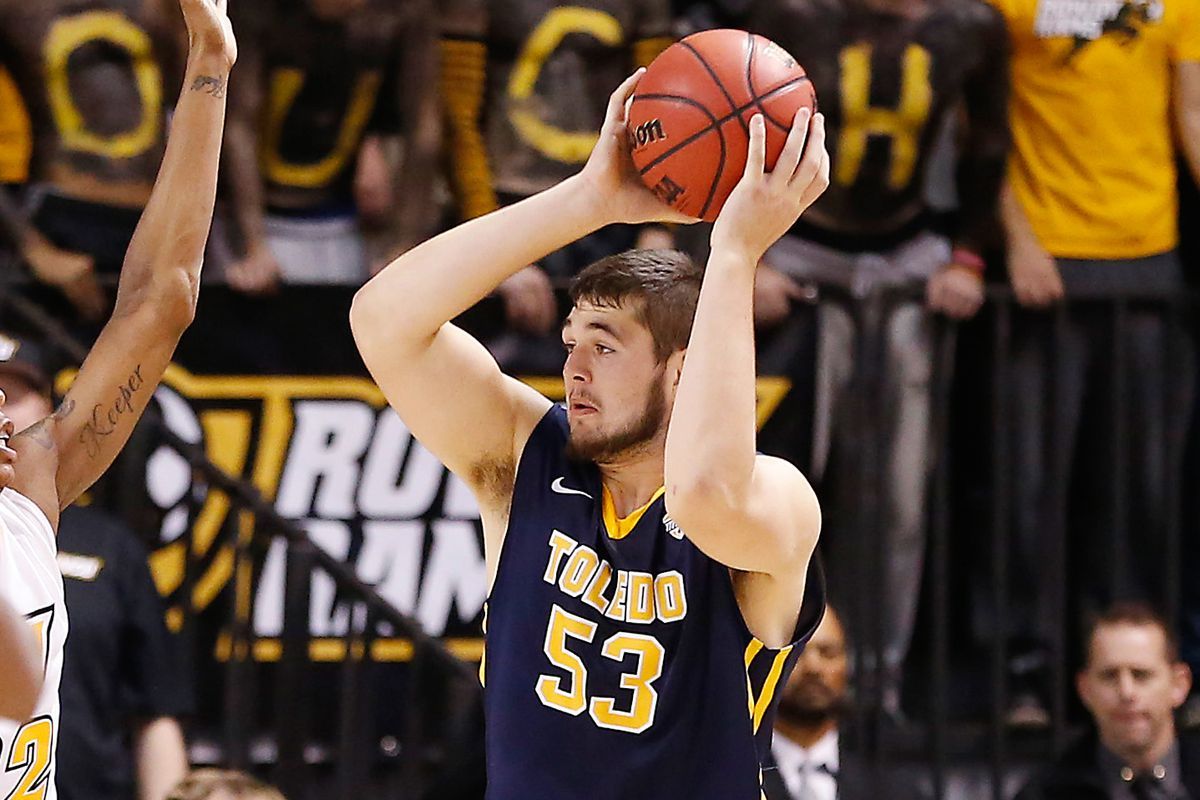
{"x": 978, "y": 346}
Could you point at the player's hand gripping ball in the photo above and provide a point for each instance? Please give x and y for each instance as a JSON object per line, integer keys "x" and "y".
{"x": 689, "y": 119}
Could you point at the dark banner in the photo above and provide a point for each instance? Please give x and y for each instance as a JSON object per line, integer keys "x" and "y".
{"x": 274, "y": 392}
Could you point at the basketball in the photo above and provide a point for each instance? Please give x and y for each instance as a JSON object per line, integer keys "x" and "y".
{"x": 689, "y": 119}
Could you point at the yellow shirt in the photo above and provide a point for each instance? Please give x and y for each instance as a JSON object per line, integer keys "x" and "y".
{"x": 16, "y": 140}
{"x": 1093, "y": 160}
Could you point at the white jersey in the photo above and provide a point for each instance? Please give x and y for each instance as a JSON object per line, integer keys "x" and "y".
{"x": 31, "y": 582}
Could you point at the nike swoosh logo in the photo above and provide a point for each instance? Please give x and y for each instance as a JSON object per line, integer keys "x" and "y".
{"x": 557, "y": 487}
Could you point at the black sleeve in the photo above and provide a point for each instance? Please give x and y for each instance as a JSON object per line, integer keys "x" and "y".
{"x": 986, "y": 141}
{"x": 155, "y": 681}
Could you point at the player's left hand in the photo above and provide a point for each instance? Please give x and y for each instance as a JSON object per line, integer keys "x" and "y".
{"x": 956, "y": 291}
{"x": 209, "y": 29}
{"x": 764, "y": 205}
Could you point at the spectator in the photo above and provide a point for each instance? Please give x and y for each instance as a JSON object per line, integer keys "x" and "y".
{"x": 810, "y": 752}
{"x": 98, "y": 132}
{"x": 220, "y": 784}
{"x": 1131, "y": 683}
{"x": 525, "y": 85}
{"x": 318, "y": 79}
{"x": 890, "y": 75}
{"x": 1090, "y": 211}
{"x": 122, "y": 691}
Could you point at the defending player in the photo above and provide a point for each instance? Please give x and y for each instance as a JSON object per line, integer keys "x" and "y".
{"x": 46, "y": 467}
{"x": 650, "y": 581}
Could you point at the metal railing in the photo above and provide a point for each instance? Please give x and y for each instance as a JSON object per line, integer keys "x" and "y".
{"x": 982, "y": 753}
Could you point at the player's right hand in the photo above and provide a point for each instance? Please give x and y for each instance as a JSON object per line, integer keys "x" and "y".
{"x": 609, "y": 174}
{"x": 256, "y": 274}
{"x": 529, "y": 301}
{"x": 1034, "y": 275}
{"x": 209, "y": 29}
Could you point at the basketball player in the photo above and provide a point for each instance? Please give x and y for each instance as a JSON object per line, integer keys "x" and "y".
{"x": 649, "y": 574}
{"x": 92, "y": 77}
{"x": 45, "y": 467}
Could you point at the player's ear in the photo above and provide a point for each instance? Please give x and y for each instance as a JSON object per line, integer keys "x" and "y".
{"x": 676, "y": 364}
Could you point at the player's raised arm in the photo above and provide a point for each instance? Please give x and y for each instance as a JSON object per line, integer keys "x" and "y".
{"x": 748, "y": 512}
{"x": 22, "y": 666}
{"x": 160, "y": 279}
{"x": 444, "y": 384}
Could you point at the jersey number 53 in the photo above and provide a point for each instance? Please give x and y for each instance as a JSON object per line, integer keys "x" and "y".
{"x": 573, "y": 698}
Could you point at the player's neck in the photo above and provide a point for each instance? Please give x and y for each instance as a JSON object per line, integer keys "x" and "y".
{"x": 805, "y": 734}
{"x": 632, "y": 483}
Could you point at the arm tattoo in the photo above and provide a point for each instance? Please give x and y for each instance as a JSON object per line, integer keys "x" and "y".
{"x": 38, "y": 433}
{"x": 64, "y": 410}
{"x": 104, "y": 421}
{"x": 210, "y": 84}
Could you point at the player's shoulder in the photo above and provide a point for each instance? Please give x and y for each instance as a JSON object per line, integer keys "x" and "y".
{"x": 784, "y": 482}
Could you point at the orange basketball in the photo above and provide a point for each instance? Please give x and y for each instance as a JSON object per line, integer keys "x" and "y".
{"x": 690, "y": 116}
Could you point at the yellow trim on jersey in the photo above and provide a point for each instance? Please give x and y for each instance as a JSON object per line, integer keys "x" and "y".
{"x": 617, "y": 527}
{"x": 752, "y": 650}
{"x": 769, "y": 686}
{"x": 483, "y": 651}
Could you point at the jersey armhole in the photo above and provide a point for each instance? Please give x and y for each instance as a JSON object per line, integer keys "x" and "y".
{"x": 812, "y": 607}
{"x": 532, "y": 444}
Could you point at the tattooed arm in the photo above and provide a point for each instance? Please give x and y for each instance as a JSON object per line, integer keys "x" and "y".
{"x": 157, "y": 294}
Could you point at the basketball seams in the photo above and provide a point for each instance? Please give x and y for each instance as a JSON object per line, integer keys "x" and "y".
{"x": 716, "y": 181}
{"x": 712, "y": 73}
{"x": 754, "y": 92}
{"x": 692, "y": 156}
{"x": 716, "y": 123}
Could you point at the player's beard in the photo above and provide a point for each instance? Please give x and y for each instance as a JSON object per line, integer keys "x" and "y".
{"x": 603, "y": 449}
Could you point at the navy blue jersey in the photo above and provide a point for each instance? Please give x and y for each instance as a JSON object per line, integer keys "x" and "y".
{"x": 618, "y": 664}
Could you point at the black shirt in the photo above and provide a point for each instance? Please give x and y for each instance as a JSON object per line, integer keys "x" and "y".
{"x": 121, "y": 662}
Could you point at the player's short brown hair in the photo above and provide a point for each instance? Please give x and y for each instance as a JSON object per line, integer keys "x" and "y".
{"x": 661, "y": 287}
{"x": 201, "y": 784}
{"x": 1130, "y": 612}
